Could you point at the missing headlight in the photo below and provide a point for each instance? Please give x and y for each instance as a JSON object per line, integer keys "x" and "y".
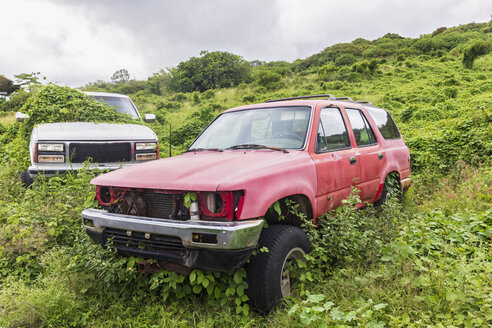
{"x": 214, "y": 202}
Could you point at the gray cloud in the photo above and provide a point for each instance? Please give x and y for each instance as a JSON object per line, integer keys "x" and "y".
{"x": 75, "y": 42}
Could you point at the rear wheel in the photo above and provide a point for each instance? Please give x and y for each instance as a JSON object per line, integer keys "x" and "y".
{"x": 269, "y": 273}
{"x": 25, "y": 179}
{"x": 391, "y": 189}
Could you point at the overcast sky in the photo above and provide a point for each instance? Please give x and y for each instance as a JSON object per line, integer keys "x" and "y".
{"x": 73, "y": 42}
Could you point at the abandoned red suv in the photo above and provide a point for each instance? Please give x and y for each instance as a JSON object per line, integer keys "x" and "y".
{"x": 206, "y": 208}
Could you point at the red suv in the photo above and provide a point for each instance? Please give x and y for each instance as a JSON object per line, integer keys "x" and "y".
{"x": 206, "y": 208}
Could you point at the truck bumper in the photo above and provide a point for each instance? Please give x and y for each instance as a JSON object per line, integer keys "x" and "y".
{"x": 61, "y": 168}
{"x": 219, "y": 246}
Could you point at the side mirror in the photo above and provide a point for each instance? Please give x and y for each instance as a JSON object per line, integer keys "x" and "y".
{"x": 149, "y": 118}
{"x": 21, "y": 117}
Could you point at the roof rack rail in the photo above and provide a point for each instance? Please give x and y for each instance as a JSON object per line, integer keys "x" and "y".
{"x": 303, "y": 97}
{"x": 365, "y": 102}
{"x": 344, "y": 98}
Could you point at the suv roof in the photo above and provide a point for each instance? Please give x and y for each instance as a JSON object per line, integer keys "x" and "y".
{"x": 306, "y": 100}
{"x": 105, "y": 94}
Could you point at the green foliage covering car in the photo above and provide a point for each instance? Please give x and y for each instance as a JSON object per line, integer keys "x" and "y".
{"x": 66, "y": 129}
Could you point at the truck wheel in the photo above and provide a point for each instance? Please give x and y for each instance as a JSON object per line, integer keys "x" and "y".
{"x": 391, "y": 189}
{"x": 25, "y": 179}
{"x": 268, "y": 274}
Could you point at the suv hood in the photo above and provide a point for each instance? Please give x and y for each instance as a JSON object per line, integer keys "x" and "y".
{"x": 205, "y": 171}
{"x": 90, "y": 131}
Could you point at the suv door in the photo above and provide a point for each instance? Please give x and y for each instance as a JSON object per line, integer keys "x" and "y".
{"x": 335, "y": 160}
{"x": 369, "y": 154}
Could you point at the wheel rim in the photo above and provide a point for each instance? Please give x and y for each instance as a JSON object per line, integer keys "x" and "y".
{"x": 289, "y": 262}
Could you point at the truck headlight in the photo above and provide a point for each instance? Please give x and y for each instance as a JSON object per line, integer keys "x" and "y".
{"x": 50, "y": 147}
{"x": 51, "y": 159}
{"x": 145, "y": 157}
{"x": 146, "y": 146}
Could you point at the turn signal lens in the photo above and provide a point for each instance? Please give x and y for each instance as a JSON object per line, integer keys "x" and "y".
{"x": 145, "y": 157}
{"x": 51, "y": 158}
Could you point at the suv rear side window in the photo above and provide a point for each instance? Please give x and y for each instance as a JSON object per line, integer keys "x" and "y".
{"x": 363, "y": 133}
{"x": 385, "y": 123}
{"x": 332, "y": 133}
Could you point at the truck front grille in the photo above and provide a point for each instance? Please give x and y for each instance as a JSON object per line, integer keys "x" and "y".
{"x": 100, "y": 152}
{"x": 121, "y": 239}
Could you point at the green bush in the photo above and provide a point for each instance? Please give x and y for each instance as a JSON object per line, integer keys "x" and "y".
{"x": 345, "y": 60}
{"x": 53, "y": 103}
{"x": 474, "y": 50}
{"x": 268, "y": 79}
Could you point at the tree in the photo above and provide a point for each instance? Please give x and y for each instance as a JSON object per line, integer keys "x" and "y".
{"x": 7, "y": 85}
{"x": 158, "y": 81}
{"x": 212, "y": 70}
{"x": 29, "y": 80}
{"x": 120, "y": 77}
{"x": 475, "y": 50}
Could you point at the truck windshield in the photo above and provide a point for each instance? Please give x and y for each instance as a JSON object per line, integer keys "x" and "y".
{"x": 278, "y": 127}
{"x": 122, "y": 105}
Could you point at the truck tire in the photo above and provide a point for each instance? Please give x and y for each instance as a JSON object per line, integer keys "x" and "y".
{"x": 267, "y": 272}
{"x": 25, "y": 179}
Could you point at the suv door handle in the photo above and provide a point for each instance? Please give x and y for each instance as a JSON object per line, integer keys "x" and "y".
{"x": 381, "y": 155}
{"x": 353, "y": 160}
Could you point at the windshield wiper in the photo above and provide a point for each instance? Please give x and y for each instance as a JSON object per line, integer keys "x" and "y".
{"x": 256, "y": 146}
{"x": 203, "y": 149}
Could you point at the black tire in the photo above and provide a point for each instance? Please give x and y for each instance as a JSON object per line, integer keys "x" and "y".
{"x": 25, "y": 179}
{"x": 391, "y": 189}
{"x": 266, "y": 271}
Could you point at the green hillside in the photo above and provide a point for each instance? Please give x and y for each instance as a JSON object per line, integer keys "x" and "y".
{"x": 424, "y": 262}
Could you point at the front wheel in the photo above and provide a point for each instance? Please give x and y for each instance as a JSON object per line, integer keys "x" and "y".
{"x": 268, "y": 273}
{"x": 25, "y": 179}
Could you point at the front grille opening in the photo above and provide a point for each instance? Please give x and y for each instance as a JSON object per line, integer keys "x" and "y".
{"x": 121, "y": 239}
{"x": 100, "y": 152}
{"x": 152, "y": 204}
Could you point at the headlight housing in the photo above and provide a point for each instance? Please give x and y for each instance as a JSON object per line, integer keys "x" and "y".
{"x": 216, "y": 205}
{"x": 214, "y": 202}
{"x": 50, "y": 146}
{"x": 146, "y": 146}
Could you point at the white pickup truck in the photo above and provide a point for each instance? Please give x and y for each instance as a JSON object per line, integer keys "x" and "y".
{"x": 61, "y": 147}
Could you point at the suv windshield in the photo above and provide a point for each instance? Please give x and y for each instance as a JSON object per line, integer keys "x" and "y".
{"x": 278, "y": 127}
{"x": 122, "y": 105}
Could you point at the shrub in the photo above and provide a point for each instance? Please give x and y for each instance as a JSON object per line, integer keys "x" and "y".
{"x": 345, "y": 60}
{"x": 53, "y": 103}
{"x": 17, "y": 100}
{"x": 327, "y": 72}
{"x": 268, "y": 79}
{"x": 474, "y": 50}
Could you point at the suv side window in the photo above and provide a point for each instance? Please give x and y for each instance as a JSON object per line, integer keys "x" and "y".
{"x": 385, "y": 123}
{"x": 332, "y": 132}
{"x": 363, "y": 133}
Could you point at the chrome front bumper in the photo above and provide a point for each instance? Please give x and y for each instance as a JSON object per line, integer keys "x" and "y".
{"x": 60, "y": 168}
{"x": 230, "y": 235}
